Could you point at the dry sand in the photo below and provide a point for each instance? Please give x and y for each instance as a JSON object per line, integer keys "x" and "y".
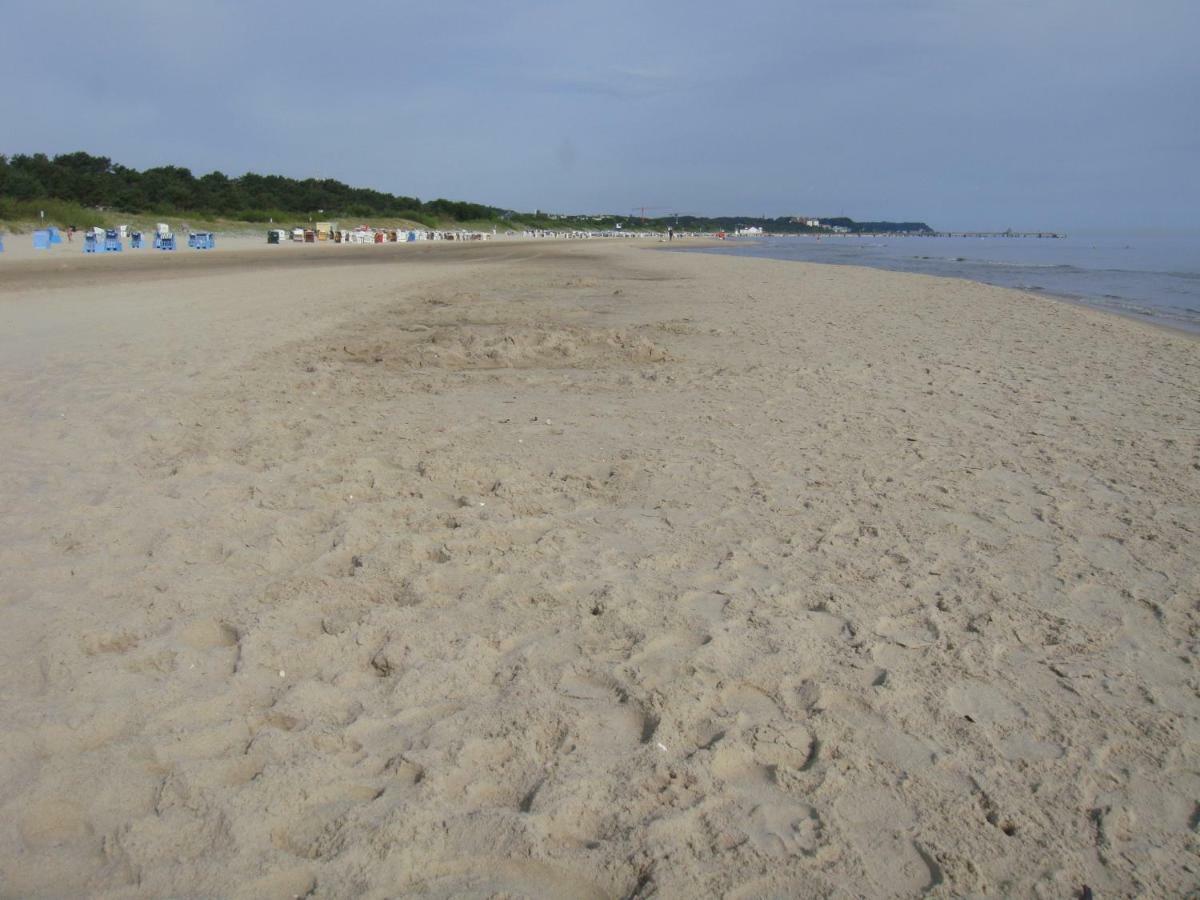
{"x": 583, "y": 570}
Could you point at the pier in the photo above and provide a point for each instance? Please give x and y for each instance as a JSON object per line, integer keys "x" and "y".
{"x": 999, "y": 234}
{"x": 943, "y": 234}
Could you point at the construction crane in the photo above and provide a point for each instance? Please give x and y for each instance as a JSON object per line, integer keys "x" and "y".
{"x": 643, "y": 211}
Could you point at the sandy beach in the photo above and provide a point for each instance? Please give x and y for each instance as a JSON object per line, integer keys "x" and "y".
{"x": 580, "y": 569}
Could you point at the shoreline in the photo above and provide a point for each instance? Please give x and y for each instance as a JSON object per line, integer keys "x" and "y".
{"x": 1172, "y": 324}
{"x": 560, "y": 568}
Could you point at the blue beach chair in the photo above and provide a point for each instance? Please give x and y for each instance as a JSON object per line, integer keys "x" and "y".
{"x": 90, "y": 244}
{"x": 41, "y": 240}
{"x": 55, "y": 237}
{"x": 135, "y": 240}
{"x": 112, "y": 241}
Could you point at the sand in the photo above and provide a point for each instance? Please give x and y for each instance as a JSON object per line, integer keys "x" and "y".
{"x": 586, "y": 570}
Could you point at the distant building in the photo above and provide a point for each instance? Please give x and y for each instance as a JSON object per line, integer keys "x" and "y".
{"x": 749, "y": 230}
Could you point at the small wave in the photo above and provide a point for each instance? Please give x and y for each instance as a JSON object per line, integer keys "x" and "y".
{"x": 1006, "y": 264}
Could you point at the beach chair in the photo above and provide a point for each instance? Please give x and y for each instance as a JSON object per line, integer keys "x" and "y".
{"x": 112, "y": 241}
{"x": 41, "y": 240}
{"x": 55, "y": 237}
{"x": 90, "y": 244}
{"x": 135, "y": 240}
{"x": 1, "y": 244}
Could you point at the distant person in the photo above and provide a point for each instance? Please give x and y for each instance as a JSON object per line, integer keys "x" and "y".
{"x": 670, "y": 234}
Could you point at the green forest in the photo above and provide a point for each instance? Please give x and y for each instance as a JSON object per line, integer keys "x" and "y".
{"x": 96, "y": 182}
{"x": 81, "y": 189}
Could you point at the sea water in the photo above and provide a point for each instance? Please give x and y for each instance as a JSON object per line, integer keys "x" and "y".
{"x": 1153, "y": 277}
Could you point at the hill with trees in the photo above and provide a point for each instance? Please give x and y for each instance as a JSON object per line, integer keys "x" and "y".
{"x": 854, "y": 227}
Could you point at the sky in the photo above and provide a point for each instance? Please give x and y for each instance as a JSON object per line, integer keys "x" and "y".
{"x": 966, "y": 114}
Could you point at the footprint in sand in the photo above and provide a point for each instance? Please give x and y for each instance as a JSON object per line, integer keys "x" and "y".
{"x": 665, "y": 659}
{"x": 605, "y": 720}
{"x": 909, "y": 632}
{"x": 707, "y": 606}
{"x": 206, "y": 634}
{"x": 784, "y": 829}
{"x": 877, "y": 824}
{"x": 316, "y": 833}
{"x": 284, "y": 885}
{"x": 116, "y": 642}
{"x": 774, "y": 823}
{"x": 825, "y": 625}
{"x": 747, "y": 703}
{"x": 53, "y": 823}
{"x": 755, "y": 754}
{"x": 982, "y": 703}
{"x": 506, "y": 878}
{"x": 783, "y": 746}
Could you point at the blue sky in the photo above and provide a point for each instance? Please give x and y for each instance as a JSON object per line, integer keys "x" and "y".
{"x": 962, "y": 113}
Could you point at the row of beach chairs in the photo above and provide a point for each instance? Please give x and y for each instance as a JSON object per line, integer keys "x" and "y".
{"x": 100, "y": 240}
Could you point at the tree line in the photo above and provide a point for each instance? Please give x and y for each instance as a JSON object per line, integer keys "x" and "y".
{"x": 794, "y": 225}
{"x": 98, "y": 182}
